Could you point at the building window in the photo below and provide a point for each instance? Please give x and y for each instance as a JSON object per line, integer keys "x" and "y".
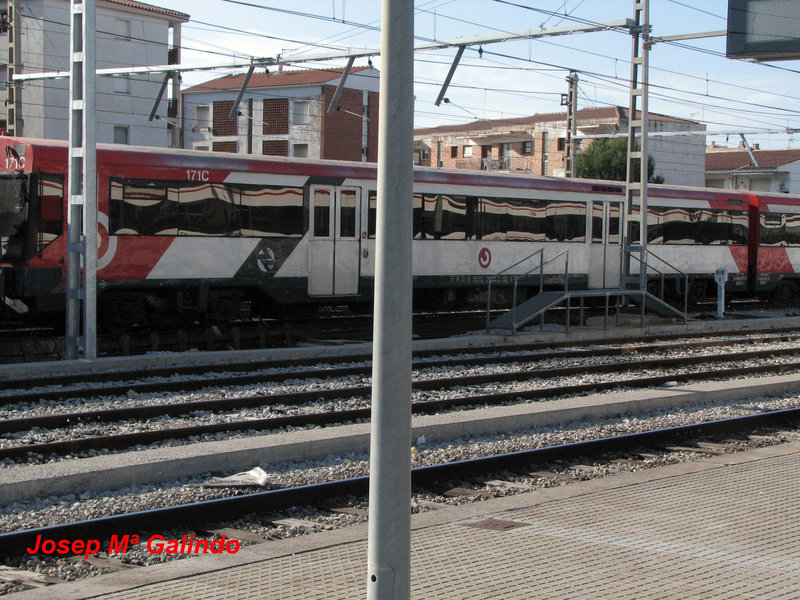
{"x": 120, "y": 134}
{"x": 276, "y": 117}
{"x": 467, "y": 151}
{"x": 562, "y": 144}
{"x": 453, "y": 151}
{"x": 545, "y": 157}
{"x": 300, "y": 150}
{"x": 527, "y": 147}
{"x": 202, "y": 118}
{"x": 275, "y": 148}
{"x": 225, "y": 147}
{"x": 300, "y": 113}
{"x": 223, "y": 124}
{"x": 425, "y": 154}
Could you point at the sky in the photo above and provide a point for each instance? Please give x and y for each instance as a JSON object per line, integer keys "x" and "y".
{"x": 690, "y": 79}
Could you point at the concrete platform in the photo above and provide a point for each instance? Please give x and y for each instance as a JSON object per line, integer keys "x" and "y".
{"x": 720, "y": 528}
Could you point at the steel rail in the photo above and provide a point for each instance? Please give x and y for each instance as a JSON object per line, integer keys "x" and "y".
{"x": 234, "y": 507}
{"x": 788, "y": 333}
{"x": 503, "y": 355}
{"x": 121, "y": 441}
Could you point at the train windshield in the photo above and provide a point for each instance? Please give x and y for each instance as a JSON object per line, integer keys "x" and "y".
{"x": 13, "y": 212}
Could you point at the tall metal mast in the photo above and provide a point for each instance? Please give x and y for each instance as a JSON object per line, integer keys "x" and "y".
{"x": 638, "y": 124}
{"x": 82, "y": 191}
{"x": 13, "y": 101}
{"x": 572, "y": 125}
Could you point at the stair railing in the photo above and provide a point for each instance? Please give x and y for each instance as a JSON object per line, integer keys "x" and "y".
{"x": 662, "y": 276}
{"x": 539, "y": 267}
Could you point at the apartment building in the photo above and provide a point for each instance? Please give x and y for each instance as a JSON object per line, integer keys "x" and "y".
{"x": 286, "y": 113}
{"x": 537, "y": 144}
{"x": 36, "y": 35}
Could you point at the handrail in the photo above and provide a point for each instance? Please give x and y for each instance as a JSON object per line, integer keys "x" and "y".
{"x": 539, "y": 267}
{"x": 663, "y": 273}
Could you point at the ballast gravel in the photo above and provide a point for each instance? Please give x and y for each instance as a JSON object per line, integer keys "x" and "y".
{"x": 305, "y": 520}
{"x": 527, "y": 383}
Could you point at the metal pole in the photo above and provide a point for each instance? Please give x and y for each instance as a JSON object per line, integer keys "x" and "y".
{"x": 13, "y": 104}
{"x": 570, "y": 165}
{"x": 82, "y": 193}
{"x": 637, "y": 127}
{"x": 389, "y": 544}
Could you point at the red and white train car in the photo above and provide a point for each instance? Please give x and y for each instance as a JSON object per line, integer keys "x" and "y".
{"x": 203, "y": 234}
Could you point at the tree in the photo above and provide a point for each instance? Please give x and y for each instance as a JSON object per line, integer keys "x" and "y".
{"x": 607, "y": 158}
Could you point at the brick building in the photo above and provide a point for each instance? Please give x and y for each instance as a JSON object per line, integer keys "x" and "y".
{"x": 537, "y": 144}
{"x": 285, "y": 114}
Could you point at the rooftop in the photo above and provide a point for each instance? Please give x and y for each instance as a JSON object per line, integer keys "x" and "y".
{"x": 740, "y": 159}
{"x": 274, "y": 79}
{"x": 149, "y": 7}
{"x": 598, "y": 114}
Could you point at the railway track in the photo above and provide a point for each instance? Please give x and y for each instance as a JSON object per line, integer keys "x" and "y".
{"x": 30, "y": 345}
{"x": 71, "y": 431}
{"x": 433, "y": 477}
{"x": 506, "y": 352}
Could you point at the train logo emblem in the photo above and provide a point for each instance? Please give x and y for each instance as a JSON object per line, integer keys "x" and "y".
{"x": 106, "y": 244}
{"x": 484, "y": 258}
{"x": 266, "y": 260}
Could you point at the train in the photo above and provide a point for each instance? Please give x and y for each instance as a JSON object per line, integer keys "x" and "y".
{"x": 189, "y": 235}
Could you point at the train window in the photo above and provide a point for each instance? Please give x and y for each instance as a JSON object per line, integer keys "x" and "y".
{"x": 14, "y": 214}
{"x": 566, "y": 222}
{"x": 372, "y": 215}
{"x": 270, "y": 211}
{"x": 51, "y": 211}
{"x": 494, "y": 218}
{"x": 347, "y": 213}
{"x": 772, "y": 231}
{"x": 614, "y": 223}
{"x": 431, "y": 207}
{"x": 142, "y": 208}
{"x": 527, "y": 220}
{"x": 597, "y": 222}
{"x": 322, "y": 212}
{"x": 418, "y": 210}
{"x": 451, "y": 218}
{"x": 779, "y": 229}
{"x": 206, "y": 209}
{"x": 678, "y": 225}
{"x": 793, "y": 230}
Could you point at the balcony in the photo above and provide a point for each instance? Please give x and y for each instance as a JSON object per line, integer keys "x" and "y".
{"x": 507, "y": 163}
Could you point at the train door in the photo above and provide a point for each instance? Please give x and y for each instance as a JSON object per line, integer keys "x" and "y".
{"x": 606, "y": 254}
{"x": 334, "y": 246}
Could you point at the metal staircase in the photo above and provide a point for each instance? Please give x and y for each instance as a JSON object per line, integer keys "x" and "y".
{"x": 630, "y": 292}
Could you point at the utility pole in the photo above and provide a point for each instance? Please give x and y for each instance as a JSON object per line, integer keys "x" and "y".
{"x": 13, "y": 102}
{"x": 570, "y": 168}
{"x": 638, "y": 124}
{"x": 82, "y": 192}
{"x": 389, "y": 544}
